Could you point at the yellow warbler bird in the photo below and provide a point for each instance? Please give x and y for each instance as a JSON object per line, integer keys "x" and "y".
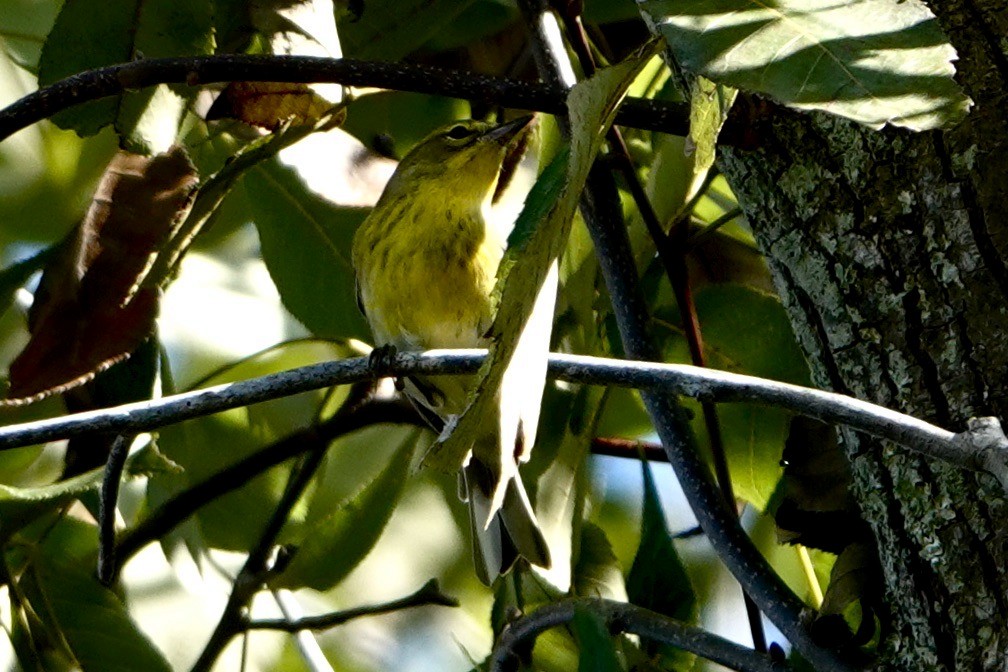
{"x": 426, "y": 260}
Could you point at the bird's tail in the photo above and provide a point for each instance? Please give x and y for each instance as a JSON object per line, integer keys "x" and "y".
{"x": 512, "y": 531}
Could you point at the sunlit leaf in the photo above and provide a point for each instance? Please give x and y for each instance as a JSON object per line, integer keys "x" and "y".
{"x": 94, "y": 33}
{"x": 306, "y": 246}
{"x": 874, "y": 61}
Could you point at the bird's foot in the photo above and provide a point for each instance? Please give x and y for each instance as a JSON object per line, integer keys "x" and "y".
{"x": 381, "y": 360}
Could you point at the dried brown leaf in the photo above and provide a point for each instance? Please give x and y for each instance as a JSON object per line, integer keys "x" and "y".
{"x": 91, "y": 308}
{"x": 269, "y": 104}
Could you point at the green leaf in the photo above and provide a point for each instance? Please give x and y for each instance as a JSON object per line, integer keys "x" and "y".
{"x": 559, "y": 471}
{"x": 205, "y": 446}
{"x": 62, "y": 589}
{"x": 873, "y": 61}
{"x": 480, "y": 20}
{"x": 306, "y": 246}
{"x": 658, "y": 579}
{"x": 20, "y": 506}
{"x": 336, "y": 543}
{"x": 745, "y": 331}
{"x": 709, "y": 106}
{"x": 597, "y": 653}
{"x": 381, "y": 113}
{"x": 390, "y": 30}
{"x": 538, "y": 237}
{"x": 94, "y": 33}
{"x": 598, "y": 572}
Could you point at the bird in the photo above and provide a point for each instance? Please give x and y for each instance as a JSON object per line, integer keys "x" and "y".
{"x": 425, "y": 262}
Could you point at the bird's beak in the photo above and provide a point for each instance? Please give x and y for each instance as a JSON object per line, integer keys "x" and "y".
{"x": 514, "y": 138}
{"x": 504, "y": 133}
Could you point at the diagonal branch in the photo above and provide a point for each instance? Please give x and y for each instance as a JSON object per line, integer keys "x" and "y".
{"x": 182, "y": 505}
{"x": 200, "y": 70}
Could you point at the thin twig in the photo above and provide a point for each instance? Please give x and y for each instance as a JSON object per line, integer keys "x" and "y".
{"x": 632, "y": 448}
{"x": 629, "y": 618}
{"x": 199, "y": 70}
{"x": 429, "y": 594}
{"x": 711, "y": 228}
{"x": 979, "y": 448}
{"x": 255, "y": 569}
{"x": 111, "y": 480}
{"x": 307, "y": 644}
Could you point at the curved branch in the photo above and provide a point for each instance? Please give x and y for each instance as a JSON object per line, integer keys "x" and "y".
{"x": 629, "y": 618}
{"x": 199, "y": 70}
{"x": 968, "y": 449}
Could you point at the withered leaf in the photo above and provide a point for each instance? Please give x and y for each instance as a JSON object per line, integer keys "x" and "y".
{"x": 817, "y": 508}
{"x": 91, "y": 308}
{"x": 269, "y": 104}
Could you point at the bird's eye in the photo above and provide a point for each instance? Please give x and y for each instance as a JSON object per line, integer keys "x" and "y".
{"x": 459, "y": 132}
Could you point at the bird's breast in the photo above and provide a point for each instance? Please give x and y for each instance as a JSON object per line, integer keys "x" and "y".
{"x": 431, "y": 287}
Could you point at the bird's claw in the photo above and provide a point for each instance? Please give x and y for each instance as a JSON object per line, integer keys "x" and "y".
{"x": 382, "y": 360}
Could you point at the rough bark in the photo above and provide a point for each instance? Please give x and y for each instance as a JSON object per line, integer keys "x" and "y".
{"x": 889, "y": 251}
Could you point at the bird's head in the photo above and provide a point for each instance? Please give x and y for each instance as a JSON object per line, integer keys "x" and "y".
{"x": 468, "y": 160}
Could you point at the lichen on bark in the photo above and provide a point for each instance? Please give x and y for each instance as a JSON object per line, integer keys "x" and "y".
{"x": 888, "y": 251}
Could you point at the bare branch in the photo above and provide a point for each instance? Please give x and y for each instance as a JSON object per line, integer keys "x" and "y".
{"x": 430, "y": 593}
{"x": 200, "y": 70}
{"x": 967, "y": 449}
{"x": 629, "y": 618}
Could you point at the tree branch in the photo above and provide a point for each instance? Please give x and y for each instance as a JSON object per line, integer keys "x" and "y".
{"x": 430, "y": 593}
{"x": 200, "y": 70}
{"x": 623, "y": 617}
{"x": 969, "y": 449}
{"x": 177, "y": 509}
{"x": 604, "y": 219}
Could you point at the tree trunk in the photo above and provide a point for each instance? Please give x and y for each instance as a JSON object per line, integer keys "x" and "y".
{"x": 889, "y": 252}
